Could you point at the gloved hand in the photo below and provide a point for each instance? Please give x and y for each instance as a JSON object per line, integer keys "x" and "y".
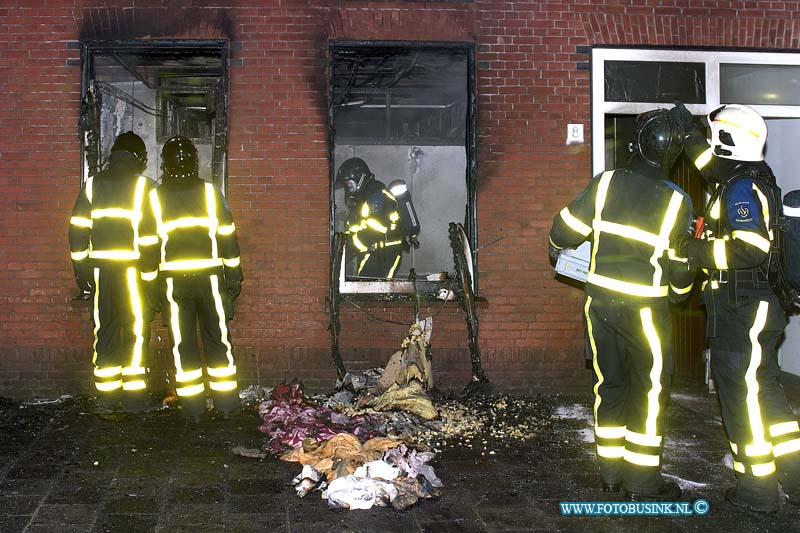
{"x": 682, "y": 244}
{"x": 84, "y": 276}
{"x": 154, "y": 295}
{"x": 234, "y": 288}
{"x": 683, "y": 117}
{"x": 553, "y": 252}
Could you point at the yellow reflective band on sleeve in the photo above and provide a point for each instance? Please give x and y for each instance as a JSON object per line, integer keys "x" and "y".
{"x": 364, "y": 210}
{"x": 641, "y": 459}
{"x": 753, "y": 408}
{"x": 643, "y": 440}
{"x": 751, "y": 237}
{"x": 554, "y": 245}
{"x": 625, "y": 287}
{"x": 377, "y": 226}
{"x": 673, "y": 256}
{"x": 783, "y": 448}
{"x": 109, "y": 372}
{"x": 223, "y": 386}
{"x": 226, "y": 230}
{"x": 763, "y": 469}
{"x": 776, "y": 430}
{"x": 575, "y": 224}
{"x": 392, "y": 243}
{"x": 703, "y": 159}
{"x": 739, "y": 467}
{"x": 232, "y": 263}
{"x": 222, "y": 372}
{"x": 189, "y": 375}
{"x": 192, "y": 390}
{"x": 149, "y": 240}
{"x": 611, "y": 452}
{"x": 357, "y": 243}
{"x": 81, "y": 222}
{"x": 609, "y": 432}
{"x": 149, "y": 276}
{"x": 720, "y": 258}
{"x": 651, "y": 334}
{"x": 79, "y": 256}
{"x": 679, "y": 290}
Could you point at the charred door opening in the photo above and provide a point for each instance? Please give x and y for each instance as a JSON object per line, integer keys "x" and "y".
{"x": 157, "y": 89}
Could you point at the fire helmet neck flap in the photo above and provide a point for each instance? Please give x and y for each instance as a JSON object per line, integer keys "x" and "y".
{"x": 352, "y": 175}
{"x": 134, "y": 145}
{"x": 658, "y": 139}
{"x": 737, "y": 132}
{"x": 179, "y": 159}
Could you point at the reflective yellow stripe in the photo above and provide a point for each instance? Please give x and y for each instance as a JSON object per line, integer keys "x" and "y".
{"x": 133, "y": 385}
{"x": 150, "y": 240}
{"x": 642, "y": 439}
{"x": 776, "y": 430}
{"x": 739, "y": 467}
{"x": 223, "y": 327}
{"x": 231, "y": 262}
{"x": 628, "y": 232}
{"x": 223, "y": 385}
{"x": 703, "y": 159}
{"x": 394, "y": 216}
{"x": 117, "y": 255}
{"x": 222, "y": 372}
{"x": 641, "y": 459}
{"x": 192, "y": 390}
{"x": 377, "y": 226}
{"x": 362, "y": 263}
{"x": 763, "y": 469}
{"x": 388, "y": 195}
{"x": 734, "y": 447}
{"x": 662, "y": 243}
{"x": 678, "y": 290}
{"x": 390, "y": 275}
{"x": 114, "y": 212}
{"x": 570, "y": 220}
{"x": 611, "y": 452}
{"x": 750, "y": 378}
{"x": 393, "y": 243}
{"x": 138, "y": 319}
{"x": 738, "y": 126}
{"x": 189, "y": 375}
{"x": 596, "y": 367}
{"x": 79, "y": 256}
{"x": 109, "y": 386}
{"x": 226, "y": 230}
{"x": 357, "y": 243}
{"x": 189, "y": 222}
{"x": 133, "y": 371}
{"x": 764, "y": 211}
{"x": 96, "y": 312}
{"x": 88, "y": 189}
{"x": 651, "y": 334}
{"x": 81, "y": 222}
{"x": 786, "y": 447}
{"x": 715, "y": 209}
{"x": 625, "y": 287}
{"x": 364, "y": 210}
{"x": 149, "y": 276}
{"x": 757, "y": 449}
{"x": 609, "y": 432}
{"x": 174, "y": 326}
{"x": 109, "y": 372}
{"x": 720, "y": 258}
{"x": 191, "y": 264}
{"x": 753, "y": 238}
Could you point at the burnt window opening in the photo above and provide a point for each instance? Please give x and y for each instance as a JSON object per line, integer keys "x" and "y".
{"x": 407, "y": 110}
{"x": 157, "y": 89}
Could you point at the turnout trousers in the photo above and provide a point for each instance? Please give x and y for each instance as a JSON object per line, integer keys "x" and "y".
{"x": 121, "y": 319}
{"x": 193, "y": 299}
{"x": 631, "y": 344}
{"x": 762, "y": 429}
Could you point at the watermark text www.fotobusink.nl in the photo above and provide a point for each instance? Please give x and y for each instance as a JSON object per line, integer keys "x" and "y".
{"x": 698, "y": 507}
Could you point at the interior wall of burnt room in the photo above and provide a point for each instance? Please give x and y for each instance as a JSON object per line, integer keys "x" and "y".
{"x": 531, "y": 81}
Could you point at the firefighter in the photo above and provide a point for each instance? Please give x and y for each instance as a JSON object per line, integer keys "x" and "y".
{"x": 112, "y": 231}
{"x": 632, "y": 215}
{"x": 745, "y": 318}
{"x": 373, "y": 221}
{"x": 202, "y": 277}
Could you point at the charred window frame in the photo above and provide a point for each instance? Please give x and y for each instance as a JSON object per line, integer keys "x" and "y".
{"x": 390, "y": 102}
{"x": 158, "y": 89}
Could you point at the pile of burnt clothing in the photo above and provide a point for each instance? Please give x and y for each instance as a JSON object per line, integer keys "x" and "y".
{"x": 353, "y": 475}
{"x": 289, "y": 419}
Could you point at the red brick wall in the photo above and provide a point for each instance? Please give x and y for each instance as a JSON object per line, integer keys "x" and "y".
{"x": 528, "y": 86}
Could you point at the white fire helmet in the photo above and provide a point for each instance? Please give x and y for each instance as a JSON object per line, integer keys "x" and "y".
{"x": 737, "y": 132}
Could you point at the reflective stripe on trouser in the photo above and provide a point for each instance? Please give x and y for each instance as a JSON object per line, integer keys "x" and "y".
{"x": 632, "y": 359}
{"x": 380, "y": 263}
{"x": 744, "y": 357}
{"x": 197, "y": 299}
{"x": 119, "y": 360}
